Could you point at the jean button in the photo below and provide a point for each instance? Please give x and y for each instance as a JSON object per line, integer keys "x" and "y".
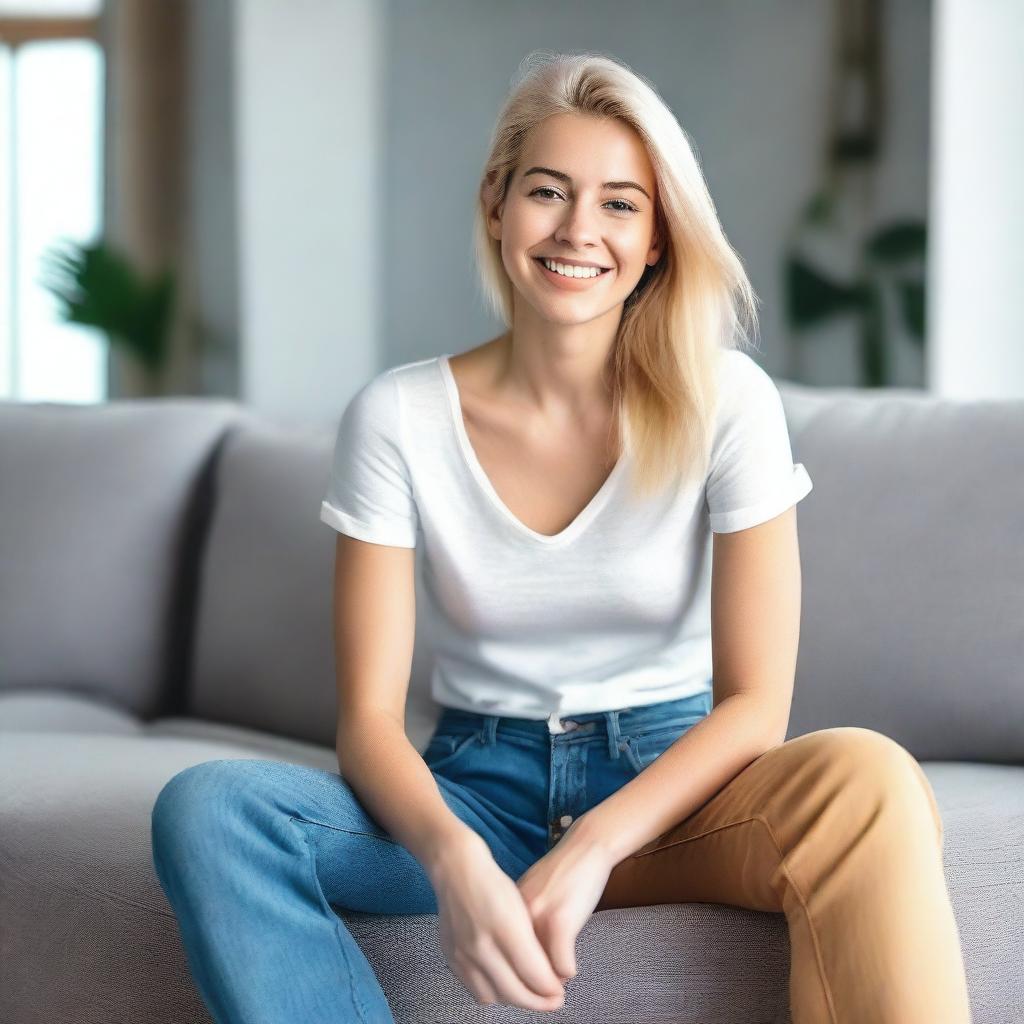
{"x": 565, "y": 820}
{"x": 568, "y": 724}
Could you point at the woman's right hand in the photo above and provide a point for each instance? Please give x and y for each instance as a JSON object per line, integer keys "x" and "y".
{"x": 487, "y": 932}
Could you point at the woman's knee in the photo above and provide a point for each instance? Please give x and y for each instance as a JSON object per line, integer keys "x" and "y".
{"x": 201, "y": 799}
{"x": 863, "y": 754}
{"x": 868, "y": 763}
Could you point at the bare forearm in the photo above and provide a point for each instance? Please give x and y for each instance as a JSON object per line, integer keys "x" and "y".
{"x": 709, "y": 755}
{"x": 393, "y": 783}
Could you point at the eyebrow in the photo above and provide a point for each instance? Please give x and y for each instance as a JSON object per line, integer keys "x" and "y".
{"x": 562, "y": 176}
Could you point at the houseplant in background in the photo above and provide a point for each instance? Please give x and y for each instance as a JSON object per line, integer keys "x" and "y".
{"x": 100, "y": 287}
{"x": 889, "y": 261}
{"x": 837, "y": 261}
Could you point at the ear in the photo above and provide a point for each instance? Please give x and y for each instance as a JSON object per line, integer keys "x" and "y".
{"x": 494, "y": 222}
{"x": 494, "y": 211}
{"x": 654, "y": 253}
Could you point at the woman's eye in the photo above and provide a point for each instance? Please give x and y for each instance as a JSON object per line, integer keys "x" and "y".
{"x": 622, "y": 205}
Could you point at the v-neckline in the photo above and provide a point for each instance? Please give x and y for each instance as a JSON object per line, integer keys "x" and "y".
{"x": 585, "y": 516}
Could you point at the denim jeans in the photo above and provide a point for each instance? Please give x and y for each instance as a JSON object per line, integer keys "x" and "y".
{"x": 253, "y": 855}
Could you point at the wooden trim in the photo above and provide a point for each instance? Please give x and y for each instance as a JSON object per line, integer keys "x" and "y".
{"x": 15, "y": 31}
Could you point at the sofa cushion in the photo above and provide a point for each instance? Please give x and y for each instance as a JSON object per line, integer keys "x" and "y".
{"x": 101, "y": 509}
{"x": 264, "y": 644}
{"x": 42, "y": 712}
{"x": 81, "y": 908}
{"x": 80, "y": 905}
{"x": 912, "y": 564}
{"x": 39, "y": 710}
{"x": 888, "y": 516}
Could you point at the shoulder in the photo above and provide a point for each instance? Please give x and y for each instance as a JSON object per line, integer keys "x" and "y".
{"x": 372, "y": 411}
{"x": 414, "y": 373}
{"x": 739, "y": 372}
{"x": 379, "y": 400}
{"x": 745, "y": 387}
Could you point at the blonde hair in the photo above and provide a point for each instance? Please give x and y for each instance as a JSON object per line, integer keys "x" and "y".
{"x": 685, "y": 309}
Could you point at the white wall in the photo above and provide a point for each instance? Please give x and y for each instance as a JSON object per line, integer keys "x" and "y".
{"x": 309, "y": 106}
{"x": 977, "y": 204}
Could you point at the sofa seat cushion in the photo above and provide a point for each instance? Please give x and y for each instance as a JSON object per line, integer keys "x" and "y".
{"x": 701, "y": 962}
{"x": 38, "y": 710}
{"x": 80, "y": 905}
{"x": 81, "y": 908}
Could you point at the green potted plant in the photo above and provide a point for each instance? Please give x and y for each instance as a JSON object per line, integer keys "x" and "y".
{"x": 98, "y": 286}
{"x": 890, "y": 258}
{"x": 835, "y": 226}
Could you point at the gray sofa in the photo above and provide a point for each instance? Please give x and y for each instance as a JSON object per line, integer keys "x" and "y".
{"x": 165, "y": 592}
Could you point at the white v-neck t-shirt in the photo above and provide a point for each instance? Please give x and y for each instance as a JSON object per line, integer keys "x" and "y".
{"x": 612, "y": 612}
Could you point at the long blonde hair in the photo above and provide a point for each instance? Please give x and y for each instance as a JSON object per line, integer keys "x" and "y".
{"x": 694, "y": 302}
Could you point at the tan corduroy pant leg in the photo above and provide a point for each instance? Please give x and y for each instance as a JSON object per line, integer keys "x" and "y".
{"x": 839, "y": 830}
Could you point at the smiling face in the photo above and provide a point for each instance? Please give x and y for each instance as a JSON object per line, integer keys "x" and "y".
{"x": 584, "y": 192}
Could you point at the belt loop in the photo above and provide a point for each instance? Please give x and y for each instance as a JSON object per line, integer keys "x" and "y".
{"x": 614, "y": 736}
{"x": 489, "y": 729}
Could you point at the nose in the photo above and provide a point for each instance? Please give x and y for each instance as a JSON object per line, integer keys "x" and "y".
{"x": 578, "y": 228}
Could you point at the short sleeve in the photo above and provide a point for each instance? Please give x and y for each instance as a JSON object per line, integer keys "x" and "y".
{"x": 752, "y": 477}
{"x": 369, "y": 493}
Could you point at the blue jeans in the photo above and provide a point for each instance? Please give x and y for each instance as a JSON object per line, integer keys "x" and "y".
{"x": 254, "y": 854}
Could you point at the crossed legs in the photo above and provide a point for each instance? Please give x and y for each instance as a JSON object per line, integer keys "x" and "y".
{"x": 839, "y": 830}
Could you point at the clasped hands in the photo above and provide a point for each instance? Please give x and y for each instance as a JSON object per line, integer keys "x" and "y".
{"x": 515, "y": 942}
{"x": 561, "y": 891}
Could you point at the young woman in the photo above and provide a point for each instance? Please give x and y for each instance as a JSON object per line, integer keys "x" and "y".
{"x": 605, "y": 500}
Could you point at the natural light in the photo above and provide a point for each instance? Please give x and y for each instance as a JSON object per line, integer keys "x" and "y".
{"x": 51, "y": 174}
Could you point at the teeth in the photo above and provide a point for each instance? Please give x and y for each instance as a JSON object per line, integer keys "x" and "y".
{"x": 569, "y": 271}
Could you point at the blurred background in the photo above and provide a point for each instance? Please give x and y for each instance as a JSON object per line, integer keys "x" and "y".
{"x": 271, "y": 200}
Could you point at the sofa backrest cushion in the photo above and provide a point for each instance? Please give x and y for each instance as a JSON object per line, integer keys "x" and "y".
{"x": 264, "y": 636}
{"x": 100, "y": 522}
{"x": 912, "y": 558}
{"x": 911, "y": 561}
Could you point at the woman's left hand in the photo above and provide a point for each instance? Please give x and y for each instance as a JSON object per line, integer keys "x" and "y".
{"x": 561, "y": 891}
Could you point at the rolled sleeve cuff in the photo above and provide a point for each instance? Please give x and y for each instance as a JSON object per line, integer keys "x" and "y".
{"x": 796, "y": 487}
{"x": 394, "y": 536}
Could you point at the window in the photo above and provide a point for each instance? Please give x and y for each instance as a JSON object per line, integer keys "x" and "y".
{"x": 51, "y": 191}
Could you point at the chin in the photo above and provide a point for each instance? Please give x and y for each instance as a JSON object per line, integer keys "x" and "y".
{"x": 570, "y": 319}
